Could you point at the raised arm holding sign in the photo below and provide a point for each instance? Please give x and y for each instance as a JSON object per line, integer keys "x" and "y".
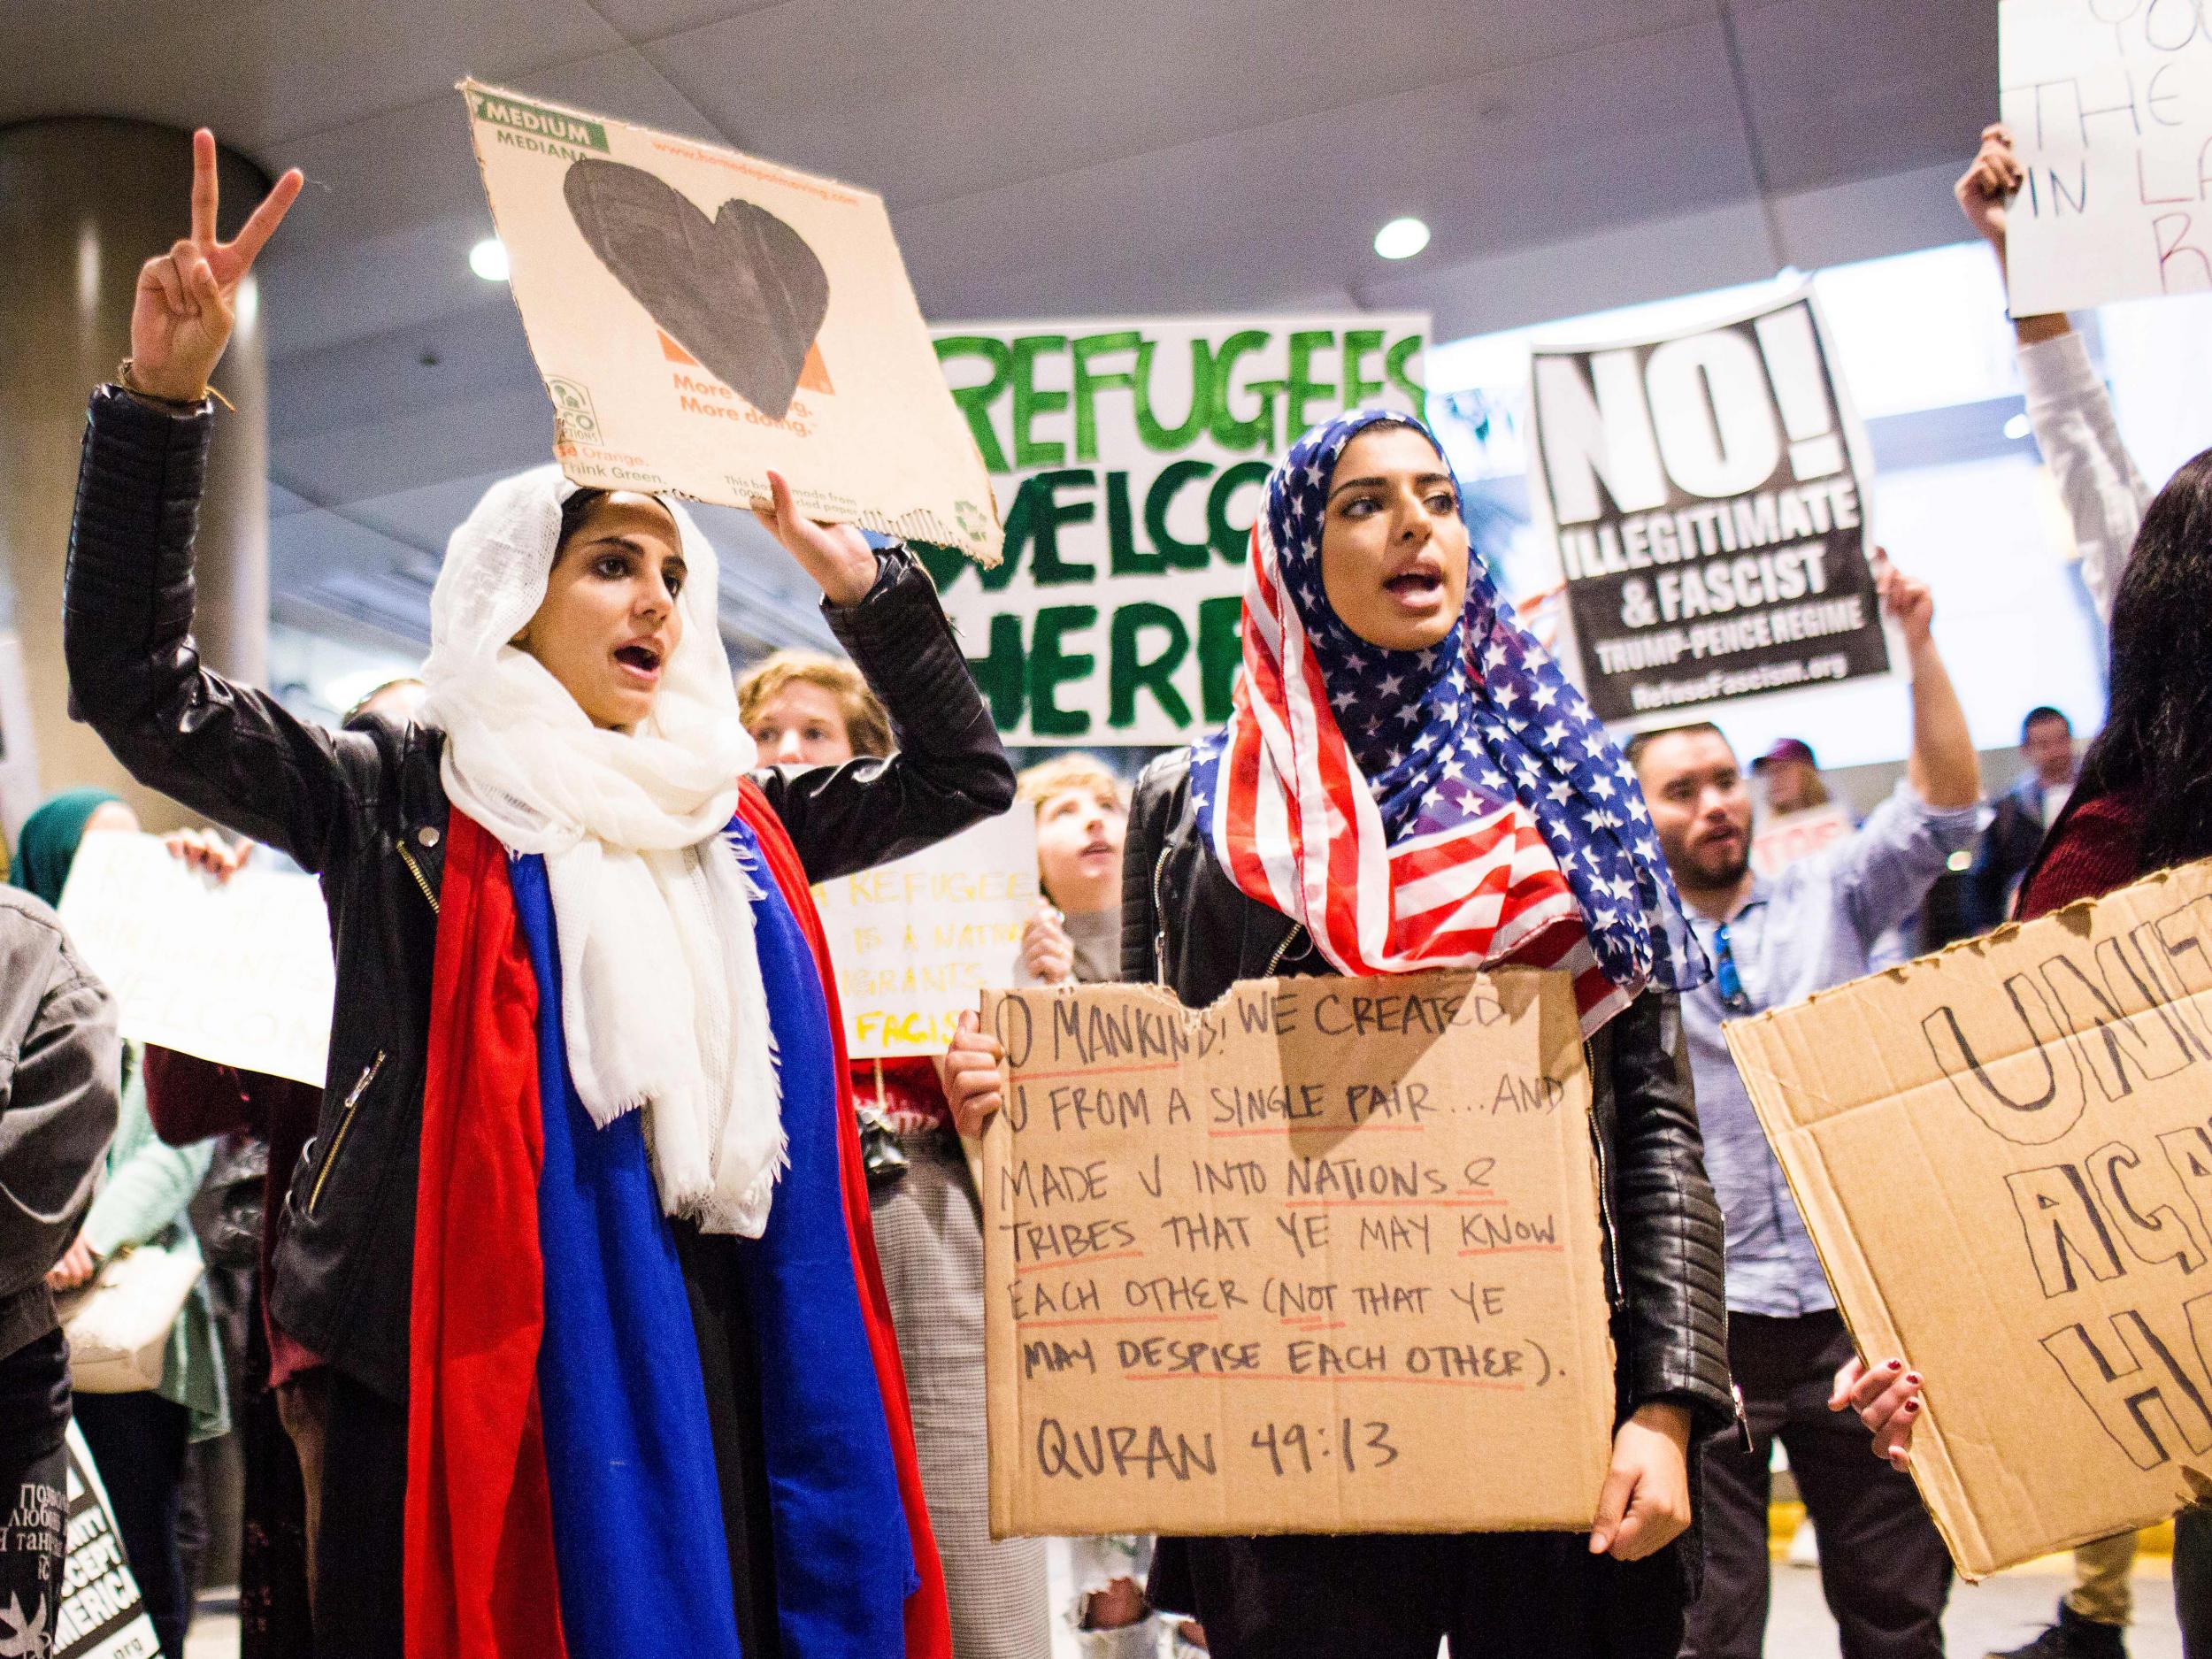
{"x": 573, "y": 937}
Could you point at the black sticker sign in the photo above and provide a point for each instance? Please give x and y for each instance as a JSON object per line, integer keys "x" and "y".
{"x": 1707, "y": 491}
{"x": 101, "y": 1615}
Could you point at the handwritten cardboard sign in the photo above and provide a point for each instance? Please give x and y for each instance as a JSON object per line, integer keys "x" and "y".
{"x": 2110, "y": 107}
{"x": 1708, "y": 489}
{"x": 1323, "y": 1257}
{"x": 700, "y": 316}
{"x": 916, "y": 939}
{"x": 239, "y": 974}
{"x": 2004, "y": 1154}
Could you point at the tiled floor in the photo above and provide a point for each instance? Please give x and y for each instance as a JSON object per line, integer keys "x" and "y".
{"x": 1999, "y": 1613}
{"x": 1995, "y": 1615}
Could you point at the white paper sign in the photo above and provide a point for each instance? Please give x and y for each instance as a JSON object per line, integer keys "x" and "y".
{"x": 915, "y": 940}
{"x": 2110, "y": 107}
{"x": 239, "y": 974}
{"x": 1787, "y": 837}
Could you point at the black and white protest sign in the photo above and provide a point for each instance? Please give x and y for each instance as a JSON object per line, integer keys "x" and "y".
{"x": 103, "y": 1615}
{"x": 1708, "y": 493}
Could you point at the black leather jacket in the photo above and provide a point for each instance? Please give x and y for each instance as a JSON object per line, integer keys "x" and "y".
{"x": 1186, "y": 925}
{"x": 365, "y": 811}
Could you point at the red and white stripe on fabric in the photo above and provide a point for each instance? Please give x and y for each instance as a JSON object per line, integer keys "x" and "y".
{"x": 1482, "y": 891}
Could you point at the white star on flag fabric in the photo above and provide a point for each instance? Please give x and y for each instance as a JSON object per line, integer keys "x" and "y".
{"x": 1317, "y": 802}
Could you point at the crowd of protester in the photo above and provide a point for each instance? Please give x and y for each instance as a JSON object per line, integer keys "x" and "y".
{"x": 567, "y": 872}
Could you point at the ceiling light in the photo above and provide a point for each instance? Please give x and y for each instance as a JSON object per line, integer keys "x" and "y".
{"x": 489, "y": 259}
{"x": 2017, "y": 429}
{"x": 1401, "y": 239}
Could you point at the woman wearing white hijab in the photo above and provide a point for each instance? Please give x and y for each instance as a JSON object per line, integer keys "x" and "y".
{"x": 576, "y": 1234}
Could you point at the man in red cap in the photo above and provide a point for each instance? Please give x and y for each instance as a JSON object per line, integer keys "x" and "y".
{"x": 1791, "y": 777}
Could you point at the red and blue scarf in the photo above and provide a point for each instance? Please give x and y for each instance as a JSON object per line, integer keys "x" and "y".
{"x": 562, "y": 1488}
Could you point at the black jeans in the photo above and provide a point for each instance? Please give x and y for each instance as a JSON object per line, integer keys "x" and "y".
{"x": 137, "y": 1442}
{"x": 2193, "y": 1581}
{"x": 359, "y": 1544}
{"x": 33, "y": 1487}
{"x": 1883, "y": 1566}
{"x": 1494, "y": 1595}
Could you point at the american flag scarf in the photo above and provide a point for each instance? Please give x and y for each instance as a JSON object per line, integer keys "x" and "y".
{"x": 1447, "y": 807}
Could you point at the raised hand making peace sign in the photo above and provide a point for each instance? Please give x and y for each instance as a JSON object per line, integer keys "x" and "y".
{"x": 181, "y": 318}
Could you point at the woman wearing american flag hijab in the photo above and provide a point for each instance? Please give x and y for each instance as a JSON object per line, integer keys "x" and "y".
{"x": 1407, "y": 781}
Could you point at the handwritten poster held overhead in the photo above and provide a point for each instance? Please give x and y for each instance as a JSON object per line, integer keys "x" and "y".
{"x": 1128, "y": 456}
{"x": 700, "y": 316}
{"x": 1708, "y": 489}
{"x": 2110, "y": 107}
{"x": 915, "y": 940}
{"x": 1323, "y": 1257}
{"x": 2004, "y": 1154}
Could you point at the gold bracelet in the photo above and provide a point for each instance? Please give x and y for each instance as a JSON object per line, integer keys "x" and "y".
{"x": 123, "y": 378}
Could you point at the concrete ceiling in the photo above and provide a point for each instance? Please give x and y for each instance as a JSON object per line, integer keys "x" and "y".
{"x": 1039, "y": 157}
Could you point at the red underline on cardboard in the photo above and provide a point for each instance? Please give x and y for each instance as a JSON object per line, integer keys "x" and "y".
{"x": 1514, "y": 1250}
{"x": 1290, "y": 1129}
{"x": 1120, "y": 1318}
{"x": 1097, "y": 1070}
{"x": 1078, "y": 1261}
{"x": 1315, "y": 1324}
{"x": 1394, "y": 1203}
{"x": 1354, "y": 1377}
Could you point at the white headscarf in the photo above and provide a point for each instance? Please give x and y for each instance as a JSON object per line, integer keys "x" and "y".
{"x": 661, "y": 994}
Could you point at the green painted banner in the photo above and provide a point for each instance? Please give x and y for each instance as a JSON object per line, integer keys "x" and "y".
{"x": 1127, "y": 458}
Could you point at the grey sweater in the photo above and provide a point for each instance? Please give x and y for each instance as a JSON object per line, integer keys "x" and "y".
{"x": 60, "y": 1074}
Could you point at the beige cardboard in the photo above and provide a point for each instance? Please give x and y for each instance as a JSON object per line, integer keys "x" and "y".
{"x": 700, "y": 316}
{"x": 1324, "y": 1257}
{"x": 2004, "y": 1154}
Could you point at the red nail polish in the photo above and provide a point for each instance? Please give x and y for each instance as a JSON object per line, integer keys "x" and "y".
{"x": 1913, "y": 1378}
{"x": 1896, "y": 1365}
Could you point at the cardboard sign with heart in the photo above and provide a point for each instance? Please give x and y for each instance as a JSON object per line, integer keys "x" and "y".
{"x": 701, "y": 317}
{"x": 741, "y": 291}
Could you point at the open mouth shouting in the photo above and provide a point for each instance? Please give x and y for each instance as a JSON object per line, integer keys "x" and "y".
{"x": 640, "y": 662}
{"x": 1418, "y": 586}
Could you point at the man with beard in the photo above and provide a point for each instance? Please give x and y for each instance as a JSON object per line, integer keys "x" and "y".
{"x": 1883, "y": 1568}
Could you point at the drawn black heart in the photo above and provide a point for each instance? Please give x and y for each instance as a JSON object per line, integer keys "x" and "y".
{"x": 741, "y": 291}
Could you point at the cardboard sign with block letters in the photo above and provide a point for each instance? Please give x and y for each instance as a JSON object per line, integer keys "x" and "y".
{"x": 2004, "y": 1154}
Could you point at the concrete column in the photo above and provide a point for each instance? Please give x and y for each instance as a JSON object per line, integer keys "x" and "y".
{"x": 84, "y": 202}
